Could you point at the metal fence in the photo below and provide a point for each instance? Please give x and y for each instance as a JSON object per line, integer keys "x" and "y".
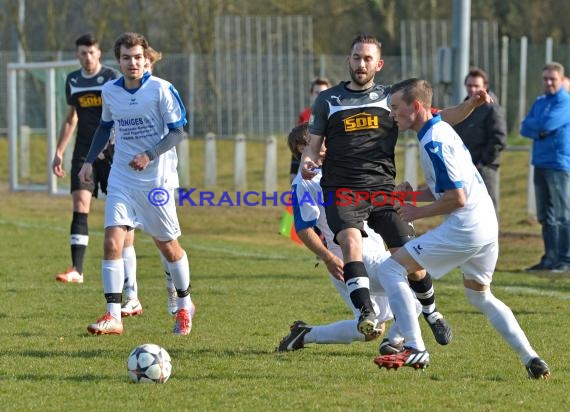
{"x": 256, "y": 81}
{"x": 252, "y": 100}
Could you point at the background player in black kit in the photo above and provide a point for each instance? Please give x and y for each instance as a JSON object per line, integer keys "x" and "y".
{"x": 360, "y": 140}
{"x": 83, "y": 93}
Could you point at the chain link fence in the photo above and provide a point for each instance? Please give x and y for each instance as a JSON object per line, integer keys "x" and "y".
{"x": 257, "y": 82}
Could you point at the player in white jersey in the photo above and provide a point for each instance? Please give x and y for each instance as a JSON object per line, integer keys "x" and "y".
{"x": 467, "y": 237}
{"x": 147, "y": 115}
{"x": 131, "y": 304}
{"x": 308, "y": 211}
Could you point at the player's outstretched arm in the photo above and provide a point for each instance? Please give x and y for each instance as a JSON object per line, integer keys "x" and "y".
{"x": 456, "y": 114}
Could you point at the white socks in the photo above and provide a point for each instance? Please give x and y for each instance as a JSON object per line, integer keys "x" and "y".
{"x": 130, "y": 262}
{"x": 393, "y": 278}
{"x": 180, "y": 272}
{"x": 168, "y": 282}
{"x": 503, "y": 320}
{"x": 343, "y": 332}
{"x": 113, "y": 274}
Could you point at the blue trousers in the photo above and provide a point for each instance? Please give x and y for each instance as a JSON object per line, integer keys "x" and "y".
{"x": 552, "y": 191}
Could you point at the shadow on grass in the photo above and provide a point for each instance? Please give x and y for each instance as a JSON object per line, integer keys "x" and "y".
{"x": 66, "y": 354}
{"x": 73, "y": 378}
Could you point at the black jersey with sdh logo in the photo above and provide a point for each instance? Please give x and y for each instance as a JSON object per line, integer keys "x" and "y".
{"x": 360, "y": 137}
{"x": 84, "y": 93}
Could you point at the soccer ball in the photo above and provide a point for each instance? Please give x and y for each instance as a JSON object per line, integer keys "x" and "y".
{"x": 149, "y": 363}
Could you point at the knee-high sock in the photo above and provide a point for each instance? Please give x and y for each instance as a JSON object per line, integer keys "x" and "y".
{"x": 343, "y": 332}
{"x": 503, "y": 320}
{"x": 113, "y": 275}
{"x": 168, "y": 281}
{"x": 79, "y": 239}
{"x": 425, "y": 293}
{"x": 393, "y": 277}
{"x": 180, "y": 272}
{"x": 358, "y": 285}
{"x": 130, "y": 262}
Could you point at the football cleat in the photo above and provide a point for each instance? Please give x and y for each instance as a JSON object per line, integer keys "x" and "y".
{"x": 172, "y": 302}
{"x": 106, "y": 325}
{"x": 183, "y": 323}
{"x": 537, "y": 369}
{"x": 294, "y": 340}
{"x": 387, "y": 348}
{"x": 368, "y": 324}
{"x": 71, "y": 275}
{"x": 440, "y": 328}
{"x": 132, "y": 307}
{"x": 408, "y": 357}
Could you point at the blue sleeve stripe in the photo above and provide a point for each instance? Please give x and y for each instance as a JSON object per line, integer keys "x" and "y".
{"x": 107, "y": 124}
{"x": 182, "y": 122}
{"x": 300, "y": 224}
{"x": 442, "y": 180}
{"x": 177, "y": 125}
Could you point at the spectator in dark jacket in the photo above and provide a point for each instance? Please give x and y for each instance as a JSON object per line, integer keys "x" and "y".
{"x": 484, "y": 132}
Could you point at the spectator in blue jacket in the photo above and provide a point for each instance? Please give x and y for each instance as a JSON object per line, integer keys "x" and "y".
{"x": 548, "y": 125}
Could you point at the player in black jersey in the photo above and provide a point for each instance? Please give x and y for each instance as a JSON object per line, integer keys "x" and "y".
{"x": 83, "y": 93}
{"x": 359, "y": 175}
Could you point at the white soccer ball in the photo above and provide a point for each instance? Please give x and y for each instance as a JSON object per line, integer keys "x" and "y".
{"x": 149, "y": 363}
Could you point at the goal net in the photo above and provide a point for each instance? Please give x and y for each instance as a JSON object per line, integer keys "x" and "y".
{"x": 36, "y": 106}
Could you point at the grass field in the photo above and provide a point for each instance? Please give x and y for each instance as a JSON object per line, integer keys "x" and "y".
{"x": 249, "y": 284}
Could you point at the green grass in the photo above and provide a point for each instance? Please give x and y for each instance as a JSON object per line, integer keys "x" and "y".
{"x": 249, "y": 284}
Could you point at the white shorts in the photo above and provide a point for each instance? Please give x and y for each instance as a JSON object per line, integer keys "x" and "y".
{"x": 439, "y": 253}
{"x": 131, "y": 207}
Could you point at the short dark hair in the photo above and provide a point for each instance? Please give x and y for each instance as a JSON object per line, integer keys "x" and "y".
{"x": 554, "y": 66}
{"x": 366, "y": 39}
{"x": 414, "y": 89}
{"x": 299, "y": 135}
{"x": 319, "y": 81}
{"x": 87, "y": 39}
{"x": 130, "y": 40}
{"x": 477, "y": 72}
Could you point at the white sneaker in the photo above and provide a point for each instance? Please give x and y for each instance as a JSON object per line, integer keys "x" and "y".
{"x": 132, "y": 307}
{"x": 70, "y": 276}
{"x": 106, "y": 325}
{"x": 172, "y": 301}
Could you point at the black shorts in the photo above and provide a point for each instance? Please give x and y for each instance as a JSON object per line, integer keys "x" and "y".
{"x": 349, "y": 209}
{"x": 101, "y": 170}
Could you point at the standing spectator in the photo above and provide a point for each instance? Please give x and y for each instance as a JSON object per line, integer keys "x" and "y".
{"x": 148, "y": 115}
{"x": 548, "y": 125}
{"x": 317, "y": 85}
{"x": 83, "y": 93}
{"x": 484, "y": 132}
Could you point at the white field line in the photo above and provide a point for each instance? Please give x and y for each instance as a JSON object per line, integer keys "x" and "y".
{"x": 528, "y": 291}
{"x": 521, "y": 290}
{"x": 145, "y": 238}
